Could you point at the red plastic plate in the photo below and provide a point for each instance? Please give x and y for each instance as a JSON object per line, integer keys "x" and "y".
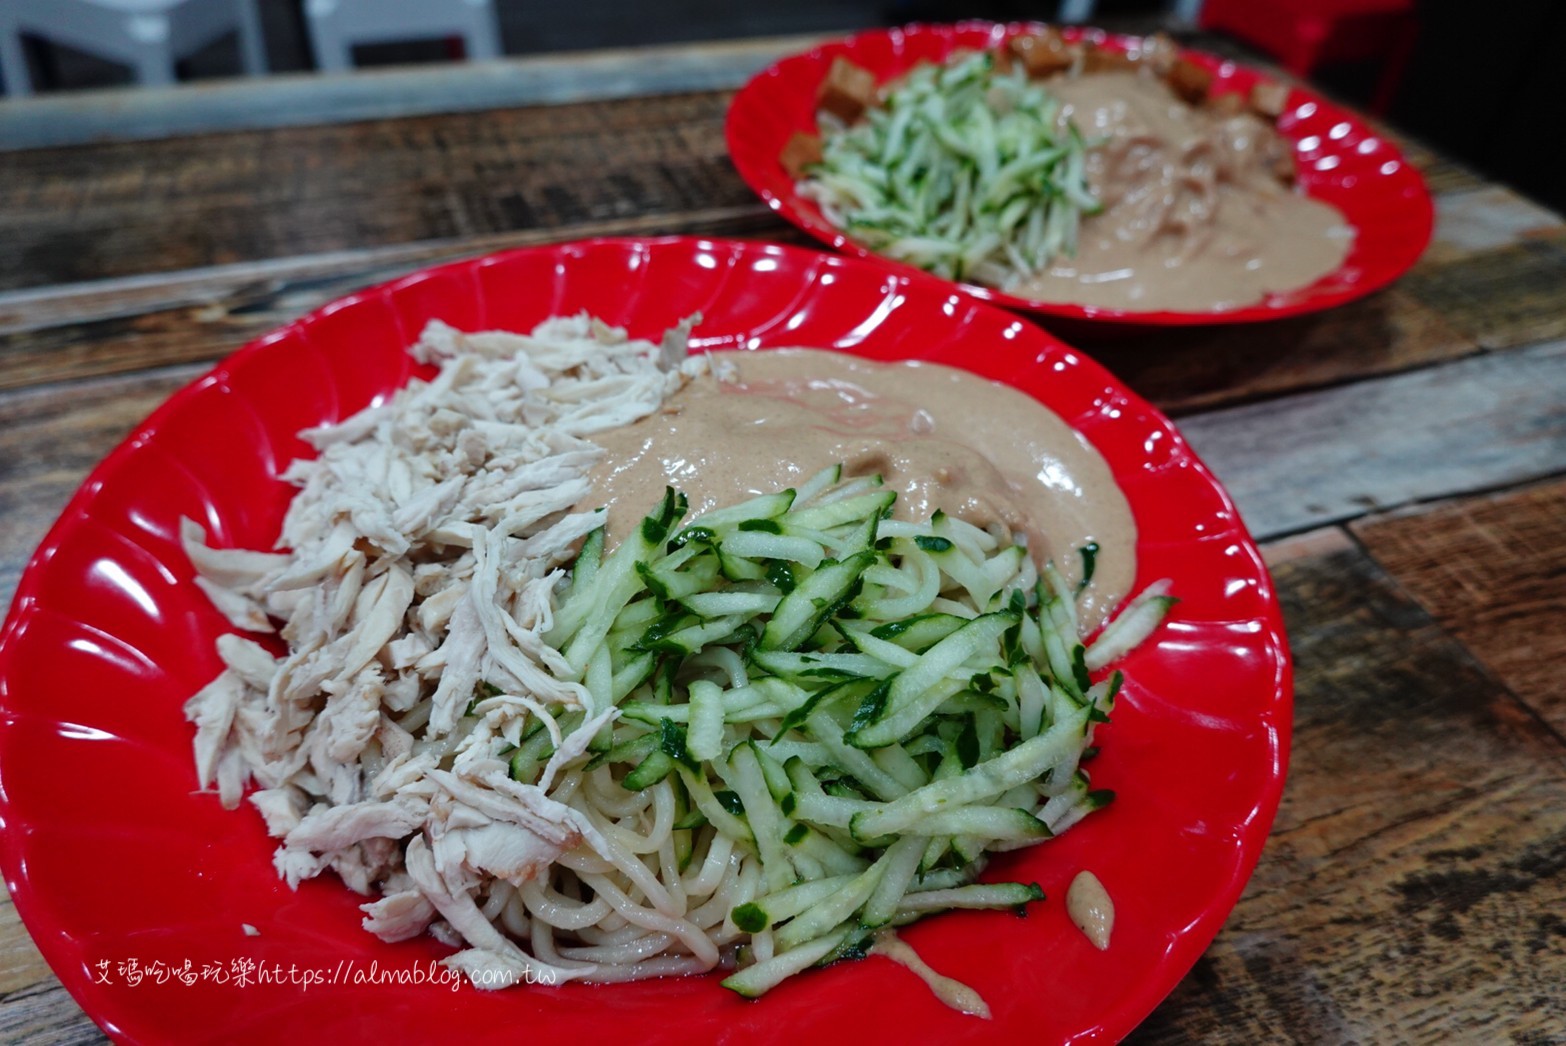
{"x": 114, "y": 859}
{"x": 1341, "y": 161}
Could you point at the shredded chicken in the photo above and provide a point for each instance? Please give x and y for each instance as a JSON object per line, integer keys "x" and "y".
{"x": 415, "y": 576}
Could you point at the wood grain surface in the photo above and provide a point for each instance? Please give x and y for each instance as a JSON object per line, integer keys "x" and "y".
{"x": 1404, "y": 458}
{"x": 1492, "y": 570}
{"x": 183, "y": 203}
{"x": 1414, "y": 886}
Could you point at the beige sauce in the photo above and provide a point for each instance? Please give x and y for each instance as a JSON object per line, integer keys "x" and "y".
{"x": 940, "y": 437}
{"x": 950, "y": 991}
{"x": 1194, "y": 217}
{"x": 1090, "y": 908}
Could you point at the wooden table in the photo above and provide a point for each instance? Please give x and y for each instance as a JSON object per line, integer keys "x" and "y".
{"x": 1402, "y": 459}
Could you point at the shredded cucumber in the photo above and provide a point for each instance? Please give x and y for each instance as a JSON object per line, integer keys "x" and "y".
{"x": 965, "y": 170}
{"x": 866, "y": 707}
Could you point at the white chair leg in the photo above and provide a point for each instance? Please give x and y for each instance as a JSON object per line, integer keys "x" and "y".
{"x": 333, "y": 53}
{"x": 1074, "y": 11}
{"x": 154, "y": 67}
{"x": 481, "y": 41}
{"x": 153, "y": 63}
{"x": 16, "y": 78}
{"x": 252, "y": 44}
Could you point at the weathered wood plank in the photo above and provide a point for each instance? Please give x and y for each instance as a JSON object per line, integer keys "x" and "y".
{"x": 118, "y": 209}
{"x": 1475, "y": 424}
{"x": 38, "y": 308}
{"x": 91, "y": 331}
{"x": 46, "y": 1015}
{"x": 1412, "y": 888}
{"x": 75, "y": 117}
{"x": 20, "y": 964}
{"x": 1492, "y": 570}
{"x": 1183, "y": 370}
{"x": 1468, "y": 223}
{"x": 95, "y": 330}
{"x": 1501, "y": 297}
{"x": 49, "y": 443}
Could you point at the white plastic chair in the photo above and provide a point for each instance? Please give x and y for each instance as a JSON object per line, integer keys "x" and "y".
{"x": 338, "y": 26}
{"x": 148, "y": 35}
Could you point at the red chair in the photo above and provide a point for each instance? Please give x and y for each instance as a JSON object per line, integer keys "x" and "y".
{"x": 1304, "y": 35}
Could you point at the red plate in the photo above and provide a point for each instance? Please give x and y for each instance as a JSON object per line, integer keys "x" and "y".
{"x": 1340, "y": 160}
{"x": 114, "y": 858}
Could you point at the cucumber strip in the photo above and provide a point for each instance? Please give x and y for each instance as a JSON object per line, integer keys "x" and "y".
{"x": 942, "y": 879}
{"x": 836, "y": 908}
{"x": 858, "y": 638}
{"x": 1068, "y": 595}
{"x": 849, "y": 690}
{"x": 854, "y": 538}
{"x": 985, "y": 822}
{"x": 813, "y": 600}
{"x": 918, "y": 634}
{"x": 763, "y": 506}
{"x": 833, "y": 855}
{"x": 658, "y": 765}
{"x": 635, "y": 619}
{"x": 1057, "y": 652}
{"x": 814, "y": 805}
{"x": 818, "y": 667}
{"x": 936, "y": 847}
{"x": 588, "y": 559}
{"x": 958, "y": 563}
{"x": 783, "y": 749}
{"x": 763, "y": 912}
{"x": 633, "y": 750}
{"x": 712, "y": 809}
{"x": 598, "y": 678}
{"x": 902, "y": 864}
{"x": 866, "y": 642}
{"x": 850, "y": 488}
{"x": 721, "y": 604}
{"x": 683, "y": 573}
{"x": 756, "y": 980}
{"x": 853, "y": 761}
{"x": 975, "y": 541}
{"x": 977, "y": 895}
{"x": 904, "y": 589}
{"x": 704, "y": 739}
{"x": 968, "y": 848}
{"x": 846, "y": 510}
{"x": 740, "y": 704}
{"x": 1024, "y": 762}
{"x": 767, "y": 824}
{"x": 691, "y": 639}
{"x": 1134, "y": 624}
{"x": 1063, "y": 811}
{"x": 1032, "y": 699}
{"x": 917, "y": 690}
{"x": 738, "y": 568}
{"x": 588, "y": 613}
{"x": 751, "y": 544}
{"x": 776, "y": 778}
{"x": 815, "y": 485}
{"x": 896, "y": 761}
